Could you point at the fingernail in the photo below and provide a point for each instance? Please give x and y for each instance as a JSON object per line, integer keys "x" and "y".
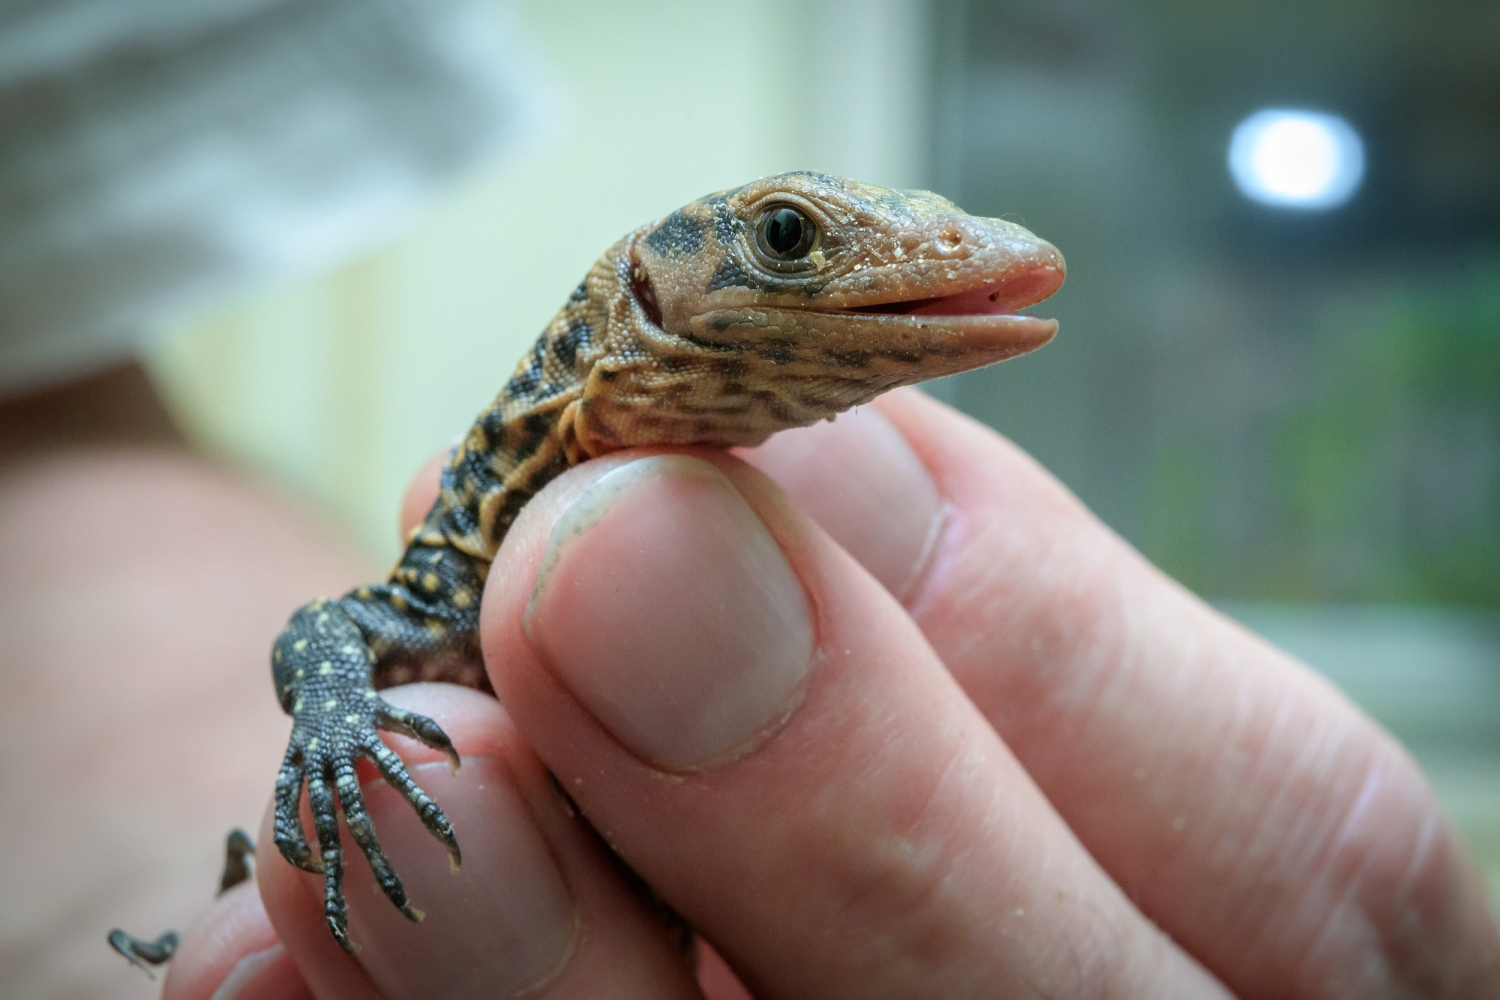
{"x": 860, "y": 480}
{"x": 263, "y": 975}
{"x": 499, "y": 927}
{"x": 670, "y": 612}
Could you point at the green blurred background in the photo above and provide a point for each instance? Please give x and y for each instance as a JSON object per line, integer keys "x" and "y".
{"x": 1272, "y": 404}
{"x": 1296, "y": 414}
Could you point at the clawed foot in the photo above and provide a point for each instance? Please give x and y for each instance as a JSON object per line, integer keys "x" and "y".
{"x": 322, "y": 670}
{"x": 238, "y": 849}
{"x": 323, "y": 753}
{"x": 144, "y": 954}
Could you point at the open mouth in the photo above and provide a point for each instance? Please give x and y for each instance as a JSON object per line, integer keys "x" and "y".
{"x": 996, "y": 298}
{"x": 966, "y": 329}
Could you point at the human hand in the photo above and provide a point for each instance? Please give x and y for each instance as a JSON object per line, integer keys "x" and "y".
{"x": 992, "y": 752}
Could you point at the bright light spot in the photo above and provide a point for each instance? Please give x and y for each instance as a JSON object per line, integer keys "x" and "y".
{"x": 1296, "y": 159}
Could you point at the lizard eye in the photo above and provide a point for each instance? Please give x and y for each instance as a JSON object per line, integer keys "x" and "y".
{"x": 785, "y": 233}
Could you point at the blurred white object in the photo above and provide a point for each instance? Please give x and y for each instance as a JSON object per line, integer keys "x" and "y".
{"x": 158, "y": 154}
{"x": 1297, "y": 159}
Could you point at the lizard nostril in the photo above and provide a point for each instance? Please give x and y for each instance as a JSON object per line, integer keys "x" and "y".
{"x": 949, "y": 240}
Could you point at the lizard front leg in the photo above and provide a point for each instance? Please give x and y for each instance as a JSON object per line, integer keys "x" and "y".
{"x": 322, "y": 667}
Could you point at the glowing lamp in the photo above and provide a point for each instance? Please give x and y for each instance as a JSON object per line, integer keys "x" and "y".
{"x": 1296, "y": 159}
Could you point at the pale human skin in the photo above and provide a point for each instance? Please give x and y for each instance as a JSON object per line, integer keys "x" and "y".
{"x": 1005, "y": 757}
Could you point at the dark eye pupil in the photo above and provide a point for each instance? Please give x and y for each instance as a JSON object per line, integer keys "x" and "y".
{"x": 784, "y": 230}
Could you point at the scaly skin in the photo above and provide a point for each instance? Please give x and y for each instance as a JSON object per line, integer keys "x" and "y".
{"x": 713, "y": 326}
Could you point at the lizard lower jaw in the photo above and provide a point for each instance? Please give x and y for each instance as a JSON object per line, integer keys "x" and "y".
{"x": 965, "y": 341}
{"x": 988, "y": 336}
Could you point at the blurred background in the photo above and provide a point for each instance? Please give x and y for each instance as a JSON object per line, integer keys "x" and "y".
{"x": 1279, "y": 377}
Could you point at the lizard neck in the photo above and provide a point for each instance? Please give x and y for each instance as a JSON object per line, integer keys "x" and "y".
{"x": 528, "y": 435}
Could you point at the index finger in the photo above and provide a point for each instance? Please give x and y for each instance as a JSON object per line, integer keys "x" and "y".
{"x": 755, "y": 726}
{"x": 1246, "y": 805}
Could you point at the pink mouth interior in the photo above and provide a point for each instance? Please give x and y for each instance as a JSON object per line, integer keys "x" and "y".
{"x": 997, "y": 298}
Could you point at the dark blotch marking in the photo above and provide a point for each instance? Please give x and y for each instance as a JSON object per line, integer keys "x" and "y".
{"x": 534, "y": 430}
{"x": 473, "y": 473}
{"x": 492, "y": 422}
{"x": 515, "y": 499}
{"x": 730, "y": 367}
{"x": 778, "y": 351}
{"x": 720, "y": 347}
{"x": 729, "y": 274}
{"x": 577, "y": 336}
{"x": 678, "y": 235}
{"x": 726, "y": 226}
{"x": 526, "y": 382}
{"x": 849, "y": 359}
{"x": 580, "y": 293}
{"x": 897, "y": 354}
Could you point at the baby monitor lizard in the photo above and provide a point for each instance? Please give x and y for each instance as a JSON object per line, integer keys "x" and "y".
{"x": 769, "y": 306}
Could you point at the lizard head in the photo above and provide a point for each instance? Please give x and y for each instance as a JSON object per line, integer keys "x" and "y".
{"x": 794, "y": 297}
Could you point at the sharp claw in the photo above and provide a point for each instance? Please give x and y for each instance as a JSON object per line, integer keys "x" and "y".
{"x": 418, "y": 727}
{"x": 340, "y": 931}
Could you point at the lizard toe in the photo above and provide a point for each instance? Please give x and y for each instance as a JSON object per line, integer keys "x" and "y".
{"x": 144, "y": 954}
{"x": 418, "y": 727}
{"x": 290, "y": 837}
{"x": 326, "y": 822}
{"x": 394, "y": 771}
{"x": 362, "y": 829}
